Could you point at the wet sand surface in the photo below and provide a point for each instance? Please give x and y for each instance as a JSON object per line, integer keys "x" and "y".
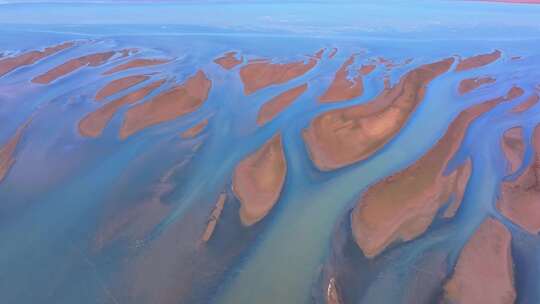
{"x": 342, "y": 88}
{"x": 11, "y": 63}
{"x": 527, "y": 104}
{"x": 72, "y": 65}
{"x": 470, "y": 84}
{"x": 401, "y": 207}
{"x": 169, "y": 105}
{"x": 344, "y": 136}
{"x": 263, "y": 73}
{"x": 228, "y": 61}
{"x": 513, "y": 146}
{"x": 118, "y": 85}
{"x": 520, "y": 199}
{"x": 93, "y": 124}
{"x": 478, "y": 61}
{"x": 484, "y": 271}
{"x": 258, "y": 180}
{"x": 279, "y": 103}
{"x": 195, "y": 130}
{"x": 214, "y": 218}
{"x": 136, "y": 63}
{"x": 7, "y": 152}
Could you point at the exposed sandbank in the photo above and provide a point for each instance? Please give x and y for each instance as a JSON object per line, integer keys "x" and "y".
{"x": 92, "y": 125}
{"x": 136, "y": 63}
{"x": 344, "y": 136}
{"x": 9, "y": 64}
{"x": 169, "y": 105}
{"x": 118, "y": 85}
{"x": 214, "y": 218}
{"x": 93, "y": 60}
{"x": 527, "y": 104}
{"x": 258, "y": 180}
{"x": 403, "y": 205}
{"x": 260, "y": 74}
{"x": 342, "y": 88}
{"x": 228, "y": 61}
{"x": 478, "y": 61}
{"x": 470, "y": 84}
{"x": 513, "y": 146}
{"x": 7, "y": 152}
{"x": 520, "y": 199}
{"x": 484, "y": 271}
{"x": 274, "y": 106}
{"x": 195, "y": 130}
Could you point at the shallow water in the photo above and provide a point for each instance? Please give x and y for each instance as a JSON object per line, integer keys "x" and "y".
{"x": 149, "y": 196}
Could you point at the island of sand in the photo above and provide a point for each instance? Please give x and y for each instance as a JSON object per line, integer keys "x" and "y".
{"x": 513, "y": 146}
{"x": 277, "y": 104}
{"x": 9, "y": 64}
{"x": 214, "y": 218}
{"x": 260, "y": 74}
{"x": 258, "y": 180}
{"x": 484, "y": 271}
{"x": 93, "y": 124}
{"x": 342, "y": 88}
{"x": 7, "y": 152}
{"x": 402, "y": 206}
{"x": 344, "y": 136}
{"x": 478, "y": 61}
{"x": 136, "y": 63}
{"x": 169, "y": 105}
{"x": 520, "y": 199}
{"x": 73, "y": 65}
{"x": 195, "y": 130}
{"x": 120, "y": 84}
{"x": 228, "y": 61}
{"x": 527, "y": 104}
{"x": 470, "y": 84}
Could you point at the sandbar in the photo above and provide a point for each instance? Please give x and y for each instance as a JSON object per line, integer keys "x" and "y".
{"x": 342, "y": 88}
{"x": 484, "y": 271}
{"x": 120, "y": 84}
{"x": 195, "y": 130}
{"x": 470, "y": 84}
{"x": 344, "y": 136}
{"x": 7, "y": 152}
{"x": 92, "y": 125}
{"x": 9, "y": 64}
{"x": 169, "y": 105}
{"x": 520, "y": 199}
{"x": 258, "y": 180}
{"x": 214, "y": 218}
{"x": 403, "y": 205}
{"x": 136, "y": 63}
{"x": 277, "y": 104}
{"x": 527, "y": 104}
{"x": 513, "y": 146}
{"x": 228, "y": 60}
{"x": 478, "y": 61}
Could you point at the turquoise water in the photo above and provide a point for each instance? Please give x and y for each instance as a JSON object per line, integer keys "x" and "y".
{"x": 64, "y": 190}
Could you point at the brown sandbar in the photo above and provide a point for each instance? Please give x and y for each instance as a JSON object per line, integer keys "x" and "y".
{"x": 342, "y": 88}
{"x": 195, "y": 130}
{"x": 484, "y": 271}
{"x": 344, "y": 136}
{"x": 258, "y": 180}
{"x": 513, "y": 146}
{"x": 169, "y": 105}
{"x": 520, "y": 199}
{"x": 403, "y": 205}
{"x": 478, "y": 61}
{"x": 93, "y": 124}
{"x": 527, "y": 104}
{"x": 214, "y": 218}
{"x": 470, "y": 84}
{"x": 277, "y": 104}
{"x": 118, "y": 85}
{"x": 11, "y": 63}
{"x": 7, "y": 152}
{"x": 229, "y": 60}
{"x": 136, "y": 63}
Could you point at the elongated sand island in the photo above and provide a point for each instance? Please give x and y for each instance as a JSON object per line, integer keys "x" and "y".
{"x": 478, "y": 61}
{"x": 120, "y": 84}
{"x": 195, "y": 130}
{"x": 228, "y": 61}
{"x": 527, "y": 104}
{"x": 214, "y": 218}
{"x": 9, "y": 64}
{"x": 403, "y": 205}
{"x": 484, "y": 271}
{"x": 520, "y": 199}
{"x": 513, "y": 146}
{"x": 169, "y": 105}
{"x": 72, "y": 65}
{"x": 136, "y": 63}
{"x": 471, "y": 84}
{"x": 92, "y": 125}
{"x": 344, "y": 136}
{"x": 258, "y": 181}
{"x": 342, "y": 88}
{"x": 279, "y": 103}
{"x": 7, "y": 152}
{"x": 260, "y": 74}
